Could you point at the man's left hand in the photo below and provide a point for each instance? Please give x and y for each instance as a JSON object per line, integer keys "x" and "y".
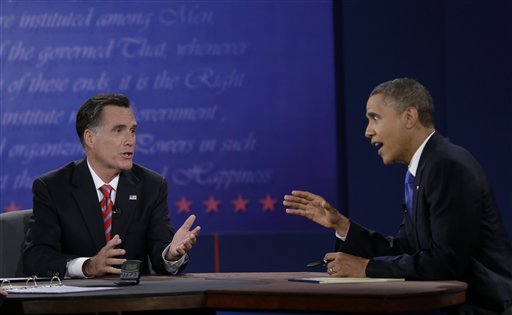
{"x": 345, "y": 265}
{"x": 183, "y": 240}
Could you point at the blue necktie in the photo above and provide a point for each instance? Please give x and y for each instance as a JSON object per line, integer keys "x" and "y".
{"x": 409, "y": 190}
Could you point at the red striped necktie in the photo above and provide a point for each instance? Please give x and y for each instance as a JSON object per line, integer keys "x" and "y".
{"x": 106, "y": 209}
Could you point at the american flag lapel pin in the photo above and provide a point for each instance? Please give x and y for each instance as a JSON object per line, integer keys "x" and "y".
{"x": 132, "y": 197}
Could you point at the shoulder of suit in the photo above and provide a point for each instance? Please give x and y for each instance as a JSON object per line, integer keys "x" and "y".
{"x": 145, "y": 173}
{"x": 63, "y": 171}
{"x": 448, "y": 155}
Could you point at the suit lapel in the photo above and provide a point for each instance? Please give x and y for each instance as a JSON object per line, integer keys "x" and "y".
{"x": 128, "y": 196}
{"x": 87, "y": 201}
{"x": 430, "y": 146}
{"x": 418, "y": 186}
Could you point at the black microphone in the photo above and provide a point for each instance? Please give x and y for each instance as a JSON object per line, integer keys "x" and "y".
{"x": 116, "y": 210}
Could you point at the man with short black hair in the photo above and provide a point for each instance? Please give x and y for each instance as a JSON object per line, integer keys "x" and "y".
{"x": 452, "y": 227}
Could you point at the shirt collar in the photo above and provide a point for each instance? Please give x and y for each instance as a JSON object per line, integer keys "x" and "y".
{"x": 413, "y": 165}
{"x": 98, "y": 182}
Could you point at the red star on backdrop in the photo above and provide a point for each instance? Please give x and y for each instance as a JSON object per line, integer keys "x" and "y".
{"x": 268, "y": 203}
{"x": 240, "y": 204}
{"x": 11, "y": 207}
{"x": 212, "y": 204}
{"x": 183, "y": 205}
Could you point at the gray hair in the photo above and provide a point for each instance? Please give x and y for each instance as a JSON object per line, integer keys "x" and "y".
{"x": 404, "y": 92}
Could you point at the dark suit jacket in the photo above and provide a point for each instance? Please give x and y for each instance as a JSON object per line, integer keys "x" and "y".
{"x": 455, "y": 233}
{"x": 67, "y": 221}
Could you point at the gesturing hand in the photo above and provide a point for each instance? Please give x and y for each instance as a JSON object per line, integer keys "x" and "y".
{"x": 183, "y": 240}
{"x": 315, "y": 208}
{"x": 104, "y": 260}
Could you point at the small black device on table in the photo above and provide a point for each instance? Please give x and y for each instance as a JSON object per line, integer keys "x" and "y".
{"x": 130, "y": 273}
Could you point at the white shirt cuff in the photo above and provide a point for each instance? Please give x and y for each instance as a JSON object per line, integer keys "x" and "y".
{"x": 174, "y": 266}
{"x": 74, "y": 268}
{"x": 342, "y": 238}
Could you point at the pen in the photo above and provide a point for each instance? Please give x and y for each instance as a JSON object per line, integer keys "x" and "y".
{"x": 317, "y": 263}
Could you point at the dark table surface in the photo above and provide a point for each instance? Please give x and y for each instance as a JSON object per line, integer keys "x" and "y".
{"x": 241, "y": 291}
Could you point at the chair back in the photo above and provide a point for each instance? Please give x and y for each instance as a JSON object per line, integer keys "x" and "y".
{"x": 13, "y": 226}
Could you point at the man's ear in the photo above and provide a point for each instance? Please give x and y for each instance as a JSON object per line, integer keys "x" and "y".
{"x": 89, "y": 138}
{"x": 411, "y": 116}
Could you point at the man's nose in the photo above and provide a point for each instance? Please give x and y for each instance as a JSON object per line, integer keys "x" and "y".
{"x": 130, "y": 139}
{"x": 369, "y": 132}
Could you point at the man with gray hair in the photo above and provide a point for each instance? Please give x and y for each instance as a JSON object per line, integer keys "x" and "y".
{"x": 452, "y": 227}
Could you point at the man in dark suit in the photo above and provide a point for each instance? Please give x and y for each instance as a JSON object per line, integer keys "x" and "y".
{"x": 92, "y": 215}
{"x": 452, "y": 228}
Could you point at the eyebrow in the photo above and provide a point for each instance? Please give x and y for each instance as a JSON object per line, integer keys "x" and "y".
{"x": 123, "y": 126}
{"x": 372, "y": 115}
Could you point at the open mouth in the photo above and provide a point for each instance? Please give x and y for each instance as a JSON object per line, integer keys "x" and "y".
{"x": 378, "y": 145}
{"x": 127, "y": 155}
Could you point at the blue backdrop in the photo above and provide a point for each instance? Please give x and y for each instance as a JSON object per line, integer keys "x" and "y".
{"x": 254, "y": 98}
{"x": 235, "y": 100}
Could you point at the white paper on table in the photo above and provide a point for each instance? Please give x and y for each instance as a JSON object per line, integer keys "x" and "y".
{"x": 345, "y": 280}
{"x": 55, "y": 289}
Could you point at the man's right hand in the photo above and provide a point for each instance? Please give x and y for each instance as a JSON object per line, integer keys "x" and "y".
{"x": 103, "y": 262}
{"x": 317, "y": 209}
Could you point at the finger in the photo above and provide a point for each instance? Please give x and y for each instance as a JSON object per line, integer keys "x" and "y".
{"x": 330, "y": 256}
{"x": 296, "y": 212}
{"x": 295, "y": 206}
{"x": 187, "y": 240}
{"x": 188, "y": 222}
{"x": 196, "y": 231}
{"x": 115, "y": 252}
{"x": 301, "y": 193}
{"x": 114, "y": 261}
{"x": 114, "y": 270}
{"x": 295, "y": 200}
{"x": 115, "y": 241}
{"x": 192, "y": 239}
{"x": 305, "y": 194}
